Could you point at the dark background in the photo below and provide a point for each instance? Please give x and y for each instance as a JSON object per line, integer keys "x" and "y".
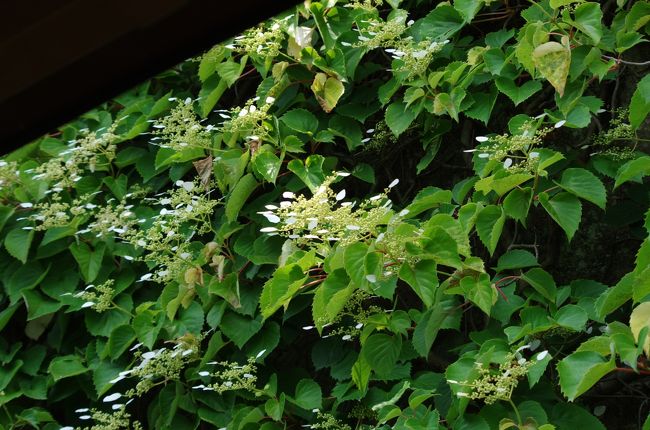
{"x": 60, "y": 58}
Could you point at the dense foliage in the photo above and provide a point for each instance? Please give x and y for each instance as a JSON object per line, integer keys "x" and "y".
{"x": 361, "y": 214}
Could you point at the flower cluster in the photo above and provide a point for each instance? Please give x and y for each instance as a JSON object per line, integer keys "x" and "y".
{"x": 378, "y": 138}
{"x": 356, "y": 310}
{"x": 494, "y": 384}
{"x": 327, "y": 422}
{"x": 250, "y": 120}
{"x": 611, "y": 142}
{"x": 264, "y": 40}
{"x": 413, "y": 58}
{"x": 231, "y": 376}
{"x": 117, "y": 420}
{"x": 181, "y": 129}
{"x": 325, "y": 217}
{"x": 516, "y": 152}
{"x": 376, "y": 33}
{"x": 98, "y": 297}
{"x": 186, "y": 211}
{"x": 8, "y": 174}
{"x": 92, "y": 151}
{"x": 158, "y": 366}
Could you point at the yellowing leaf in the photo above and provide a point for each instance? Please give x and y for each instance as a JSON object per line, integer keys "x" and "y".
{"x": 552, "y": 60}
{"x": 328, "y": 91}
{"x": 640, "y": 319}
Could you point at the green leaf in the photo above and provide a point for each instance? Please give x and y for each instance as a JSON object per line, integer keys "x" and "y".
{"x": 570, "y": 416}
{"x": 361, "y": 373}
{"x": 501, "y": 185}
{"x": 517, "y": 203}
{"x": 468, "y": 8}
{"x": 5, "y": 213}
{"x": 640, "y": 319}
{"x": 89, "y": 260}
{"x": 66, "y": 366}
{"x": 565, "y": 209}
{"x": 308, "y": 395}
{"x": 278, "y": 291}
{"x": 348, "y": 129}
{"x": 300, "y": 120}
{"x": 331, "y": 297}
{"x": 25, "y": 278}
{"x": 381, "y": 352}
{"x": 354, "y": 258}
{"x": 580, "y": 371}
{"x": 542, "y": 282}
{"x": 553, "y": 60}
{"x": 479, "y": 290}
{"x": 441, "y": 23}
{"x": 588, "y": 17}
{"x": 640, "y": 103}
{"x": 17, "y": 243}
{"x": 275, "y": 407}
{"x": 615, "y": 296}
{"x": 632, "y": 170}
{"x": 422, "y": 277}
{"x": 119, "y": 340}
{"x": 239, "y": 328}
{"x": 39, "y": 305}
{"x": 572, "y": 317}
{"x": 515, "y": 93}
{"x": 426, "y": 330}
{"x": 585, "y": 185}
{"x": 555, "y": 4}
{"x": 638, "y": 16}
{"x": 399, "y": 117}
{"x": 427, "y": 198}
{"x": 328, "y": 90}
{"x": 267, "y": 164}
{"x": 210, "y": 94}
{"x": 230, "y": 70}
{"x": 489, "y": 225}
{"x": 516, "y": 259}
{"x": 311, "y": 172}
{"x": 239, "y": 195}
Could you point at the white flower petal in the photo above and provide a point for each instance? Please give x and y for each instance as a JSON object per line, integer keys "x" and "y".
{"x": 482, "y": 139}
{"x": 87, "y": 305}
{"x": 340, "y": 195}
{"x": 392, "y": 184}
{"x": 542, "y": 355}
{"x": 507, "y": 163}
{"x": 112, "y": 397}
{"x": 268, "y": 229}
{"x": 559, "y": 124}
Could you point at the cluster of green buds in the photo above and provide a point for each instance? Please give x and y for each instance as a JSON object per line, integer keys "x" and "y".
{"x": 326, "y": 217}
{"x": 230, "y": 376}
{"x": 516, "y": 153}
{"x": 250, "y": 121}
{"x": 117, "y": 420}
{"x": 264, "y": 40}
{"x": 181, "y": 129}
{"x": 9, "y": 174}
{"x": 98, "y": 297}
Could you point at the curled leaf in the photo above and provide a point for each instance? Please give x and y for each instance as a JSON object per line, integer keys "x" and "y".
{"x": 552, "y": 60}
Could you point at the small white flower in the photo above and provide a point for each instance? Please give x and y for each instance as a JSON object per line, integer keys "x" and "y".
{"x": 268, "y": 229}
{"x": 559, "y": 124}
{"x": 533, "y": 154}
{"x": 248, "y": 376}
{"x": 313, "y": 223}
{"x": 81, "y": 410}
{"x": 85, "y": 417}
{"x": 270, "y": 100}
{"x": 252, "y": 109}
{"x": 112, "y": 397}
{"x": 341, "y": 195}
{"x": 507, "y": 163}
{"x": 358, "y": 326}
{"x": 371, "y": 278}
{"x": 377, "y": 197}
{"x": 353, "y": 227}
{"x": 370, "y": 130}
{"x": 470, "y": 150}
{"x": 288, "y": 195}
{"x": 452, "y": 381}
{"x": 462, "y": 395}
{"x": 204, "y": 373}
{"x": 117, "y": 406}
{"x": 346, "y": 337}
{"x": 308, "y": 327}
{"x": 87, "y": 305}
{"x": 146, "y": 277}
{"x": 522, "y": 361}
{"x": 410, "y": 22}
{"x": 392, "y": 184}
{"x": 243, "y": 112}
{"x": 116, "y": 379}
{"x": 542, "y": 355}
{"x": 67, "y": 428}
{"x": 380, "y": 237}
{"x": 261, "y": 353}
{"x": 483, "y": 155}
{"x": 404, "y": 212}
{"x": 342, "y": 174}
{"x": 482, "y": 139}
{"x": 26, "y": 205}
{"x": 366, "y": 140}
